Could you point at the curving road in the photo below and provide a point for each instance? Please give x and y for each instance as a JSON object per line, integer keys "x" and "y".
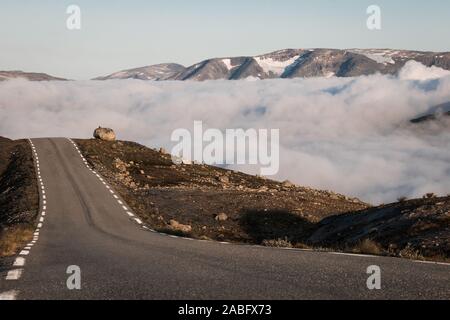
{"x": 85, "y": 224}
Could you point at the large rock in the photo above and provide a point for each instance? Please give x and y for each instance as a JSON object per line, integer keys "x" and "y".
{"x": 105, "y": 134}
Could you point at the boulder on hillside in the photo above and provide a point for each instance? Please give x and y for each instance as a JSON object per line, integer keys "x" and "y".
{"x": 105, "y": 134}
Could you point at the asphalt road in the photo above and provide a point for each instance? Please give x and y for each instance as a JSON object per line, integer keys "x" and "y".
{"x": 86, "y": 226}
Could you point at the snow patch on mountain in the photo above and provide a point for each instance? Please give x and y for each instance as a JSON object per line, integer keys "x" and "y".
{"x": 228, "y": 64}
{"x": 377, "y": 55}
{"x": 276, "y": 67}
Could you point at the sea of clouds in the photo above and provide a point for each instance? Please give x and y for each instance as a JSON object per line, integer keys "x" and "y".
{"x": 349, "y": 135}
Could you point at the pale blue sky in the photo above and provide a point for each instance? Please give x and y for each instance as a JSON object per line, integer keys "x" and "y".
{"x": 123, "y": 34}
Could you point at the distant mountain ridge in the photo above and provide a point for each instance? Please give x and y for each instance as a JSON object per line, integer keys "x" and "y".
{"x": 32, "y": 76}
{"x": 289, "y": 63}
{"x": 157, "y": 72}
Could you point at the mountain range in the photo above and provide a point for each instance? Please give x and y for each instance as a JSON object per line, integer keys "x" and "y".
{"x": 288, "y": 63}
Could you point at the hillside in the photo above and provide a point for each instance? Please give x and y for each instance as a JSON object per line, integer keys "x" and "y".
{"x": 216, "y": 203}
{"x": 414, "y": 228}
{"x": 207, "y": 202}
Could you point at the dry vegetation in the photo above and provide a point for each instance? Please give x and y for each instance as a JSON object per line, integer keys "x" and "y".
{"x": 14, "y": 238}
{"x": 19, "y": 198}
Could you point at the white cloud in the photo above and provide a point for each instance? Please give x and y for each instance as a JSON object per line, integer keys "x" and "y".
{"x": 416, "y": 71}
{"x": 347, "y": 135}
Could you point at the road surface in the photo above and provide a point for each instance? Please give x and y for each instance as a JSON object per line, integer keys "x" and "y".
{"x": 85, "y": 224}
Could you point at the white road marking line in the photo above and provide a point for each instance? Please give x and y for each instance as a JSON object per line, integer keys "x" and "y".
{"x": 353, "y": 255}
{"x": 24, "y": 252}
{"x": 425, "y": 262}
{"x": 9, "y": 295}
{"x": 108, "y": 187}
{"x": 19, "y": 262}
{"x": 14, "y": 274}
{"x": 433, "y": 262}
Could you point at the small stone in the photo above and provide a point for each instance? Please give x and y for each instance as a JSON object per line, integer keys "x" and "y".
{"x": 288, "y": 184}
{"x": 221, "y": 217}
{"x": 175, "y": 225}
{"x": 223, "y": 179}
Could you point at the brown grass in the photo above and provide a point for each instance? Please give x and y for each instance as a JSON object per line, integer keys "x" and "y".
{"x": 368, "y": 246}
{"x": 14, "y": 238}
